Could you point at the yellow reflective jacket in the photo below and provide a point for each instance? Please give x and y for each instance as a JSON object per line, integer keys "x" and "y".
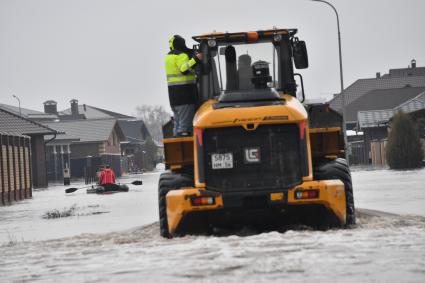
{"x": 178, "y": 67}
{"x": 181, "y": 78}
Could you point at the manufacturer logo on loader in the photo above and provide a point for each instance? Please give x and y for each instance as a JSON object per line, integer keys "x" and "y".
{"x": 252, "y": 155}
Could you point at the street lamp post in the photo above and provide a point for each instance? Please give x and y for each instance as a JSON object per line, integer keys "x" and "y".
{"x": 19, "y": 103}
{"x": 340, "y": 73}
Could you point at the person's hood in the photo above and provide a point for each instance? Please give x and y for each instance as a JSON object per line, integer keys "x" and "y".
{"x": 178, "y": 43}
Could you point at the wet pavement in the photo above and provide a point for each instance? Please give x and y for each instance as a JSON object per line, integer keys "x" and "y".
{"x": 110, "y": 238}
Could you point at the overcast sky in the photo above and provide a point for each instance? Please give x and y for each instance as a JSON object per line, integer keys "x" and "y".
{"x": 110, "y": 53}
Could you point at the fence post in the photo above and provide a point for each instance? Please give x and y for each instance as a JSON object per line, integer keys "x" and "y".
{"x": 2, "y": 170}
{"x": 21, "y": 195}
{"x": 15, "y": 179}
{"x": 24, "y": 148}
{"x": 9, "y": 179}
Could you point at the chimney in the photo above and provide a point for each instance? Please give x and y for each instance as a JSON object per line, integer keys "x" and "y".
{"x": 50, "y": 107}
{"x": 378, "y": 75}
{"x": 413, "y": 63}
{"x": 74, "y": 107}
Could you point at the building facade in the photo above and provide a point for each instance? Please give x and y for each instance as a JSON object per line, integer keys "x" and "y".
{"x": 85, "y": 144}
{"x": 20, "y": 135}
{"x": 369, "y": 105}
{"x": 15, "y": 168}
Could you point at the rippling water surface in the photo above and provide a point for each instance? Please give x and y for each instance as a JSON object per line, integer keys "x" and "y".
{"x": 122, "y": 243}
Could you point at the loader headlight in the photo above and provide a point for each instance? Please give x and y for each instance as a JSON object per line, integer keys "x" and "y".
{"x": 212, "y": 42}
{"x": 277, "y": 38}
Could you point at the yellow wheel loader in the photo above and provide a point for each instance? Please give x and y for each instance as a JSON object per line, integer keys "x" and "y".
{"x": 258, "y": 155}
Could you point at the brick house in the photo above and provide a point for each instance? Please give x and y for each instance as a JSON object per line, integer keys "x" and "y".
{"x": 15, "y": 131}
{"x": 86, "y": 143}
{"x": 370, "y": 104}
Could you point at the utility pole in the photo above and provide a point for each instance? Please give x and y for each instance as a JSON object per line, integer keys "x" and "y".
{"x": 344, "y": 127}
{"x": 19, "y": 103}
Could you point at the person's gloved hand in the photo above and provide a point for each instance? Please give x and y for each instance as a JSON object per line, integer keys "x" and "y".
{"x": 199, "y": 57}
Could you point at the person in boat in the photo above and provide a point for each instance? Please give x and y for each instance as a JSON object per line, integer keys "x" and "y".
{"x": 107, "y": 178}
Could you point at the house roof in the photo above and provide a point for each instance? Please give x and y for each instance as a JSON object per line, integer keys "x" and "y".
{"x": 12, "y": 134}
{"x": 403, "y": 72}
{"x": 87, "y": 130}
{"x": 14, "y": 124}
{"x": 381, "y": 99}
{"x": 28, "y": 113}
{"x": 376, "y": 118}
{"x": 414, "y": 104}
{"x": 135, "y": 131}
{"x": 91, "y": 112}
{"x": 363, "y": 86}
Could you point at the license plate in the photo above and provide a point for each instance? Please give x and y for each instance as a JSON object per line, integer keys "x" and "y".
{"x": 222, "y": 160}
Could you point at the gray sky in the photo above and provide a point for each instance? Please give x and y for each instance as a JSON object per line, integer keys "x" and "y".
{"x": 109, "y": 53}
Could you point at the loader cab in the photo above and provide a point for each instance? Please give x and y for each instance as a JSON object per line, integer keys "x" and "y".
{"x": 249, "y": 66}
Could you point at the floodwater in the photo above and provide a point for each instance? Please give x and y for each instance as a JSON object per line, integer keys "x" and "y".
{"x": 110, "y": 238}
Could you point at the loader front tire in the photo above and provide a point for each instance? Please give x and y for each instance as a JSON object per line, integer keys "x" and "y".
{"x": 338, "y": 169}
{"x": 168, "y": 182}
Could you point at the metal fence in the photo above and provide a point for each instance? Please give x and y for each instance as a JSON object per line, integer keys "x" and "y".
{"x": 15, "y": 168}
{"x": 357, "y": 154}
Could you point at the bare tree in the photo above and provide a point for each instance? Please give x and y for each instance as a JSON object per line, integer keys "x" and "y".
{"x": 154, "y": 117}
{"x": 146, "y": 156}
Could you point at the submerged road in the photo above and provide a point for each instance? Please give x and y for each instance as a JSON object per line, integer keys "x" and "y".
{"x": 115, "y": 237}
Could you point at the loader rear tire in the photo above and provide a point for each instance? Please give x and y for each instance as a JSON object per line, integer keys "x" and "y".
{"x": 338, "y": 169}
{"x": 168, "y": 182}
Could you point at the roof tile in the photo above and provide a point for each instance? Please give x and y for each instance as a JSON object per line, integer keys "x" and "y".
{"x": 84, "y": 130}
{"x": 381, "y": 99}
{"x": 363, "y": 86}
{"x": 18, "y": 125}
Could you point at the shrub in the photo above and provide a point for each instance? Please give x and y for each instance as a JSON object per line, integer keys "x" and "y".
{"x": 404, "y": 150}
